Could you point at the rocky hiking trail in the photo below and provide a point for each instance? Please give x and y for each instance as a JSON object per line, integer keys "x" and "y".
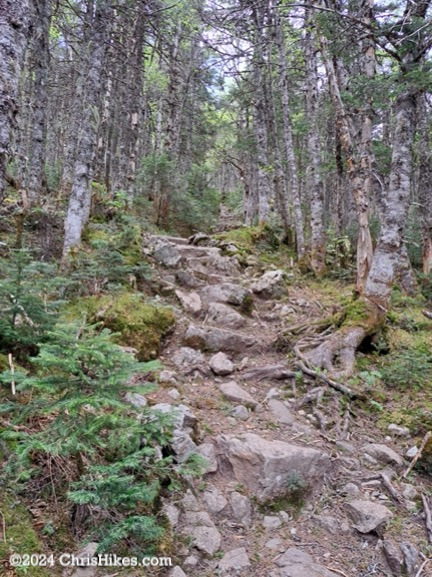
{"x": 298, "y": 482}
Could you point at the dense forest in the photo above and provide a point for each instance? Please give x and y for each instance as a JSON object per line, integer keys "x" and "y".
{"x": 216, "y": 287}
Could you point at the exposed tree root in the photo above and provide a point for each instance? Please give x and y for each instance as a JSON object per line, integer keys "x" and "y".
{"x": 337, "y": 354}
{"x": 304, "y": 365}
{"x": 270, "y": 372}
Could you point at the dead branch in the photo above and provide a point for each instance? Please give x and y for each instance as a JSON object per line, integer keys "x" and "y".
{"x": 428, "y": 517}
{"x": 270, "y": 372}
{"x": 422, "y": 566}
{"x": 3, "y": 526}
{"x": 387, "y": 484}
{"x": 418, "y": 454}
{"x": 12, "y": 370}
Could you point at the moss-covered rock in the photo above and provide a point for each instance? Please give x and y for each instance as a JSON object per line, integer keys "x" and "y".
{"x": 137, "y": 323}
{"x": 245, "y": 238}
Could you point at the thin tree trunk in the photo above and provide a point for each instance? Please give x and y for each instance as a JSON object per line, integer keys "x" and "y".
{"x": 288, "y": 139}
{"x": 425, "y": 186}
{"x": 14, "y": 30}
{"x": 318, "y": 246}
{"x": 39, "y": 129}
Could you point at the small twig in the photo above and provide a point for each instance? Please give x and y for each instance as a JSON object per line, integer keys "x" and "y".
{"x": 418, "y": 454}
{"x": 12, "y": 369}
{"x": 336, "y": 571}
{"x": 3, "y": 526}
{"x": 428, "y": 517}
{"x": 422, "y": 566}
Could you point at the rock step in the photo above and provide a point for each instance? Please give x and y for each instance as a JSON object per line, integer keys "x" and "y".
{"x": 171, "y": 239}
{"x": 215, "y": 340}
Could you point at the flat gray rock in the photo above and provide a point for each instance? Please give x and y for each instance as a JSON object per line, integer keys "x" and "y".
{"x": 224, "y": 316}
{"x": 214, "y": 339}
{"x": 233, "y": 392}
{"x": 383, "y": 454}
{"x": 187, "y": 357}
{"x": 297, "y": 563}
{"x": 281, "y": 413}
{"x": 234, "y": 560}
{"x": 267, "y": 468}
{"x": 191, "y": 302}
{"x": 368, "y": 516}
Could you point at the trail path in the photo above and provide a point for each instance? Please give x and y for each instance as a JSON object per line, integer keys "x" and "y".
{"x": 298, "y": 484}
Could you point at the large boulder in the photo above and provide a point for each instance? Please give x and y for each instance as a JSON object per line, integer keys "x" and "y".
{"x": 368, "y": 516}
{"x": 229, "y": 293}
{"x": 224, "y": 316}
{"x": 214, "y": 339}
{"x": 271, "y": 468}
{"x": 272, "y": 285}
{"x": 297, "y": 563}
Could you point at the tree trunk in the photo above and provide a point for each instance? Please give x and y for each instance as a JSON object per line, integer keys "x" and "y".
{"x": 318, "y": 243}
{"x": 357, "y": 171}
{"x": 90, "y": 85}
{"x": 390, "y": 242}
{"x": 14, "y": 30}
{"x": 288, "y": 139}
{"x": 425, "y": 186}
{"x": 41, "y": 59}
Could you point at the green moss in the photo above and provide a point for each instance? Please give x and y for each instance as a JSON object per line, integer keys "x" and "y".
{"x": 245, "y": 238}
{"x": 136, "y": 323}
{"x": 292, "y": 500}
{"x": 21, "y": 538}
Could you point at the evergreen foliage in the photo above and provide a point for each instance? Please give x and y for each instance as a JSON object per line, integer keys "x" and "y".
{"x": 28, "y": 302}
{"x": 75, "y": 412}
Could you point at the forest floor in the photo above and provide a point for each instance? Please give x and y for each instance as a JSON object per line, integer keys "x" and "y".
{"x": 301, "y": 480}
